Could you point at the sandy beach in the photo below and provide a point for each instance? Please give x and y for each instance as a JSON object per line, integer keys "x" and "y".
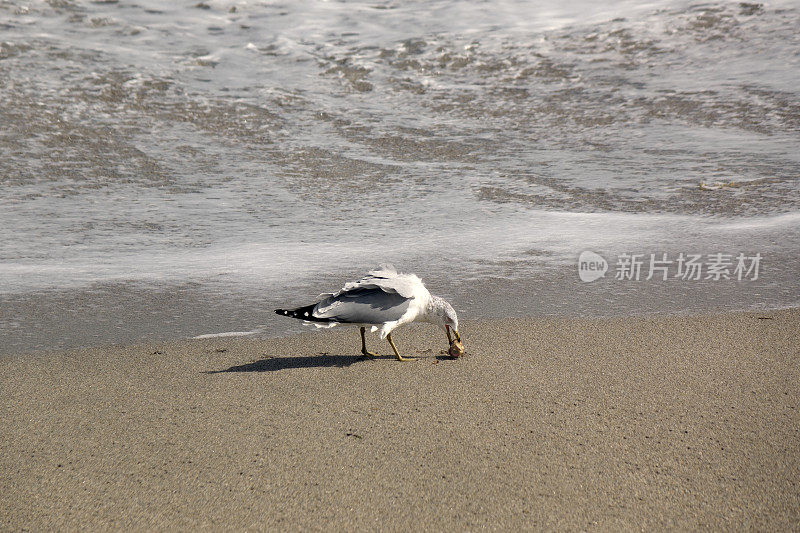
{"x": 676, "y": 422}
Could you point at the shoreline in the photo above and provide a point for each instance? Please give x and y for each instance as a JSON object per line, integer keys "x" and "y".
{"x": 123, "y": 314}
{"x": 295, "y": 328}
{"x": 678, "y": 421}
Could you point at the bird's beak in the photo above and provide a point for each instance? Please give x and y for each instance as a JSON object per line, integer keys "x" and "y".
{"x": 455, "y": 332}
{"x": 456, "y": 349}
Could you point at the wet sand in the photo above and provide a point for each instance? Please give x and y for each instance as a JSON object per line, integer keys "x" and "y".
{"x": 680, "y": 422}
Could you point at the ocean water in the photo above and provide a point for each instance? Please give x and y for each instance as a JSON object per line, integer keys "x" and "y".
{"x": 170, "y": 170}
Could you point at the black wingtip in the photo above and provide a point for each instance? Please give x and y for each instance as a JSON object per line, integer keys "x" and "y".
{"x": 302, "y": 313}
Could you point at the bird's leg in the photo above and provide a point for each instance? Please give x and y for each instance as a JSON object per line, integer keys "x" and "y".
{"x": 364, "y": 344}
{"x": 396, "y": 353}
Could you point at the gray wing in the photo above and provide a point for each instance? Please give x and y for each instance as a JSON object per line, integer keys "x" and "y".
{"x": 362, "y": 305}
{"x": 387, "y": 279}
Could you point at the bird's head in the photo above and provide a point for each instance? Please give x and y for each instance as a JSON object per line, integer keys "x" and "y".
{"x": 443, "y": 314}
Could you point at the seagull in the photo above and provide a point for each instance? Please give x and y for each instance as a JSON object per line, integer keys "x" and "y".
{"x": 383, "y": 299}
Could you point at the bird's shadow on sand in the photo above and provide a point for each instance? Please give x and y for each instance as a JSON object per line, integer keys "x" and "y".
{"x": 324, "y": 360}
{"x": 275, "y": 363}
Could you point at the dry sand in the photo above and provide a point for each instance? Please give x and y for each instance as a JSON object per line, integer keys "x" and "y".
{"x": 629, "y": 423}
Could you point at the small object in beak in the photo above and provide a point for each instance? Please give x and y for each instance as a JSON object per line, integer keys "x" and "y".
{"x": 456, "y": 349}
